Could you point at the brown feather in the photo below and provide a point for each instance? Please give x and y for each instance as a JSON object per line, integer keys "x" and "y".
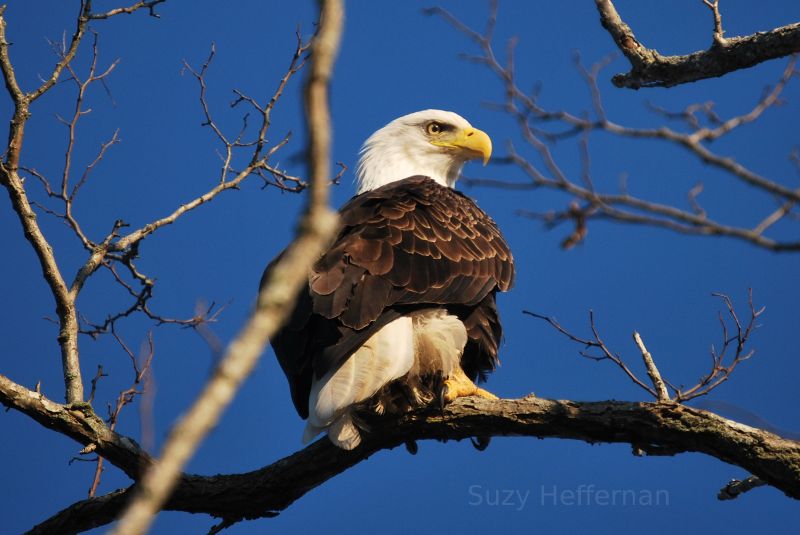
{"x": 410, "y": 244}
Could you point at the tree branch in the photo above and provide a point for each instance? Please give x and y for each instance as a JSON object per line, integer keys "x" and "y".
{"x": 65, "y": 304}
{"x": 651, "y": 69}
{"x": 652, "y": 370}
{"x": 666, "y": 428}
{"x": 79, "y": 423}
{"x": 736, "y": 488}
{"x": 275, "y": 299}
{"x": 150, "y": 5}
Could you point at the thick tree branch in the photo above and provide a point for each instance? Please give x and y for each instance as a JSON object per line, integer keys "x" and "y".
{"x": 658, "y": 427}
{"x": 65, "y": 303}
{"x": 80, "y": 423}
{"x": 651, "y": 69}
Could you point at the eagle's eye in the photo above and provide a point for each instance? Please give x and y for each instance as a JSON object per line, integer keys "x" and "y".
{"x": 433, "y": 128}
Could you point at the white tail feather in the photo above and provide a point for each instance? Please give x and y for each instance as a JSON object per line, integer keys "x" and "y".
{"x": 343, "y": 432}
{"x": 429, "y": 341}
{"x": 386, "y": 356}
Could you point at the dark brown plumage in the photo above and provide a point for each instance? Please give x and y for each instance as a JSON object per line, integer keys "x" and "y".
{"x": 408, "y": 245}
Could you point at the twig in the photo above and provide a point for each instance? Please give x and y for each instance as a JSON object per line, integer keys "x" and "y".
{"x": 126, "y": 396}
{"x": 96, "y": 379}
{"x": 719, "y": 33}
{"x": 64, "y": 195}
{"x": 150, "y": 5}
{"x": 652, "y": 370}
{"x": 598, "y": 343}
{"x": 258, "y": 162}
{"x": 736, "y": 488}
{"x": 720, "y": 372}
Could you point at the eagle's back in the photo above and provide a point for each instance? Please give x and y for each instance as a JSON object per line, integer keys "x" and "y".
{"x": 408, "y": 245}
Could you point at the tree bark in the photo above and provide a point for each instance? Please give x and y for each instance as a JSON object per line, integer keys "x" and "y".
{"x": 651, "y": 69}
{"x": 651, "y": 428}
{"x": 80, "y": 423}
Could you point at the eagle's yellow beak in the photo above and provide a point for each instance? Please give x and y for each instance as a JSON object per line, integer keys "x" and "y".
{"x": 475, "y": 143}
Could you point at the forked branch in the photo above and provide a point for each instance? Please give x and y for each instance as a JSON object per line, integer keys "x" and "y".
{"x": 721, "y": 367}
{"x": 649, "y": 68}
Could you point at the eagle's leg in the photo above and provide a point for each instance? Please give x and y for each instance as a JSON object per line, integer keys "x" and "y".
{"x": 458, "y": 385}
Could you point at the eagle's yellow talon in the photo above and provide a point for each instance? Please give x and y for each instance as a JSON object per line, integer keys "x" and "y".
{"x": 485, "y": 394}
{"x": 459, "y": 385}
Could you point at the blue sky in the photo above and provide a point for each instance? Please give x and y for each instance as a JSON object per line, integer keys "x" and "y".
{"x": 394, "y": 61}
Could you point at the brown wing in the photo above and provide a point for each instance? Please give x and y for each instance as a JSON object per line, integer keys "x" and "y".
{"x": 407, "y": 245}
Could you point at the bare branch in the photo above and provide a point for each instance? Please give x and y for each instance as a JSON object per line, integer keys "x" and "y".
{"x": 64, "y": 195}
{"x": 598, "y": 343}
{"x": 781, "y": 212}
{"x": 96, "y": 379}
{"x": 736, "y": 488}
{"x": 123, "y": 249}
{"x": 587, "y": 202}
{"x": 9, "y": 76}
{"x": 200, "y": 76}
{"x": 720, "y": 371}
{"x": 13, "y": 183}
{"x": 65, "y": 304}
{"x": 150, "y": 5}
{"x": 126, "y": 396}
{"x": 652, "y": 370}
{"x": 68, "y": 53}
{"x": 80, "y": 423}
{"x": 719, "y": 33}
{"x": 651, "y": 69}
{"x": 689, "y": 114}
{"x": 258, "y": 161}
{"x": 275, "y": 298}
{"x": 770, "y": 99}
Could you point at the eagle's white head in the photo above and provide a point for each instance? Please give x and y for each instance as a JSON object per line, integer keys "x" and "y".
{"x": 433, "y": 143}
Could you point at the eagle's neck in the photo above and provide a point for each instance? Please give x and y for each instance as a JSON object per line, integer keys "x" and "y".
{"x": 383, "y": 163}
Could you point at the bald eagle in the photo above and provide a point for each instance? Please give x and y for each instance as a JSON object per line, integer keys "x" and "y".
{"x": 401, "y": 309}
